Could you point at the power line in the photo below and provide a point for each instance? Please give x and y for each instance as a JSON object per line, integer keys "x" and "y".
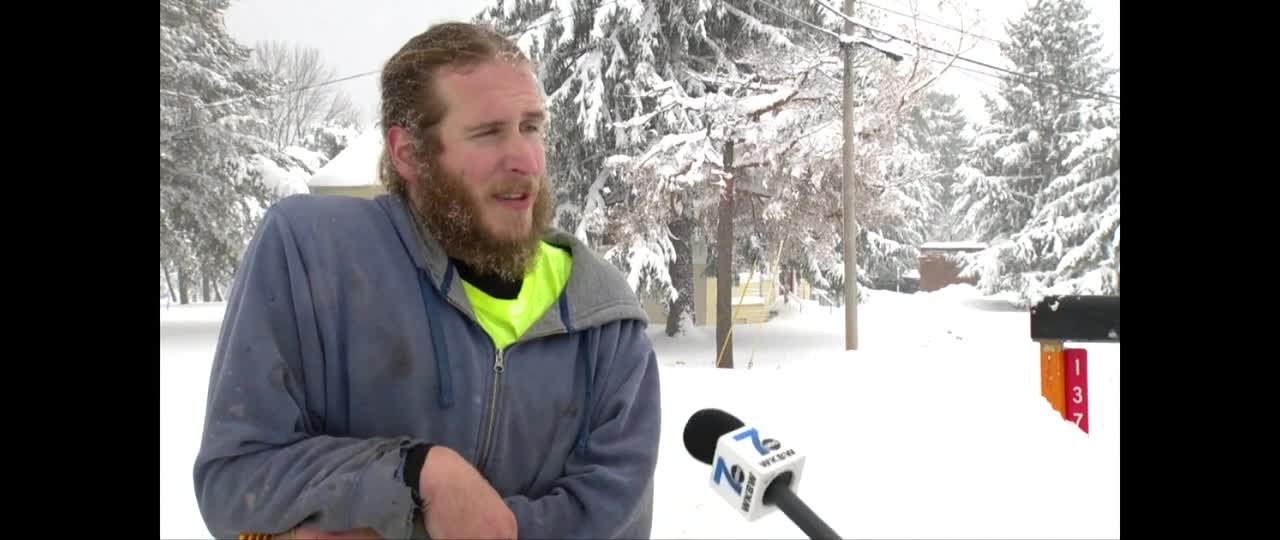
{"x": 858, "y": 41}
{"x": 291, "y": 90}
{"x": 928, "y": 20}
{"x": 934, "y": 22}
{"x": 799, "y": 20}
{"x": 376, "y": 71}
{"x": 968, "y": 74}
{"x": 1067, "y": 90}
{"x": 1064, "y": 87}
{"x": 864, "y": 26}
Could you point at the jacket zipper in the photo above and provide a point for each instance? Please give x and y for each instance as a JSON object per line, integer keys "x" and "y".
{"x": 499, "y": 366}
{"x": 491, "y": 414}
{"x": 492, "y": 411}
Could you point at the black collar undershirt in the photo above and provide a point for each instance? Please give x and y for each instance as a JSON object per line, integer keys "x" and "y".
{"x": 491, "y": 284}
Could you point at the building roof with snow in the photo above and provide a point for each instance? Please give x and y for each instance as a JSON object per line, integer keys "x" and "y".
{"x": 356, "y": 165}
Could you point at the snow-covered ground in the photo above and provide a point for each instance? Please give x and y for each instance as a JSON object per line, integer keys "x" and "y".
{"x": 934, "y": 428}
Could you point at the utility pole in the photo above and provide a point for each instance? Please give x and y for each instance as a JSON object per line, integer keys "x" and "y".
{"x": 724, "y": 263}
{"x": 850, "y": 226}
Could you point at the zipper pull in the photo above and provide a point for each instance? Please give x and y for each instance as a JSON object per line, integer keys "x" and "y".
{"x": 497, "y": 363}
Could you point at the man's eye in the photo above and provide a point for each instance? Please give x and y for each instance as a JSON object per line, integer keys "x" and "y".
{"x": 532, "y": 128}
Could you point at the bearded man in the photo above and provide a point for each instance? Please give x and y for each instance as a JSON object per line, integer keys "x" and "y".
{"x": 436, "y": 361}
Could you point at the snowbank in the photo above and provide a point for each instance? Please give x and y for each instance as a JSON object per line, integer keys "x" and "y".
{"x": 934, "y": 428}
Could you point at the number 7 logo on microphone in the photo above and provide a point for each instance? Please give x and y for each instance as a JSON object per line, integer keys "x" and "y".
{"x": 764, "y": 447}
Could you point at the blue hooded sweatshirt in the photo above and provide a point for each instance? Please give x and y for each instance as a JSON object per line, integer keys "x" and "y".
{"x": 348, "y": 339}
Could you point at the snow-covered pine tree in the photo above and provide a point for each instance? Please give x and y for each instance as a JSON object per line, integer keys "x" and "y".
{"x": 511, "y": 17}
{"x": 938, "y": 128}
{"x": 619, "y": 101}
{"x": 657, "y": 210}
{"x": 900, "y": 207}
{"x": 906, "y": 196}
{"x": 210, "y": 107}
{"x": 577, "y": 86}
{"x": 1041, "y": 183}
{"x": 700, "y": 83}
{"x": 1071, "y": 245}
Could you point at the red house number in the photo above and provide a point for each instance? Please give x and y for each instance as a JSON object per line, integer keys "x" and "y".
{"x": 1077, "y": 382}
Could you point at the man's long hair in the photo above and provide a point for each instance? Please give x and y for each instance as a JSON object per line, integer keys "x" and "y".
{"x": 409, "y": 96}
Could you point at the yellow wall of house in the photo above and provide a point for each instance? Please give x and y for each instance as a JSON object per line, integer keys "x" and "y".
{"x": 748, "y": 313}
{"x": 754, "y": 309}
{"x": 699, "y": 294}
{"x": 656, "y": 309}
{"x": 704, "y": 300}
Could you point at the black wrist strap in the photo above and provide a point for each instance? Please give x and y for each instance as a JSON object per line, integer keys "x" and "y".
{"x": 413, "y": 462}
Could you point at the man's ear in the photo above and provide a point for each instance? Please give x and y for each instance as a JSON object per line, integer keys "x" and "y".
{"x": 404, "y": 155}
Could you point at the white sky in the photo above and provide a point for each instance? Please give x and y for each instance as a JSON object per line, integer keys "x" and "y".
{"x": 353, "y": 37}
{"x": 357, "y": 37}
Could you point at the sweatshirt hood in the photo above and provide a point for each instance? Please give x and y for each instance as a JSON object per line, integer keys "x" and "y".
{"x": 597, "y": 292}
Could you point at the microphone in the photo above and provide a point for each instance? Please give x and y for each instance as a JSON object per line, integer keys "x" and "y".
{"x": 756, "y": 475}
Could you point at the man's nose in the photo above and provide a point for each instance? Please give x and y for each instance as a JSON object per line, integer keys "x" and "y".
{"x": 520, "y": 154}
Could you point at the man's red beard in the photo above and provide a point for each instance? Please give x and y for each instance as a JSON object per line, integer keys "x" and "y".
{"x": 454, "y": 217}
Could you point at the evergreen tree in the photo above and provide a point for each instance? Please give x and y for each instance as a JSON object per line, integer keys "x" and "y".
{"x": 937, "y": 128}
{"x": 901, "y": 207}
{"x": 1041, "y": 183}
{"x": 210, "y": 107}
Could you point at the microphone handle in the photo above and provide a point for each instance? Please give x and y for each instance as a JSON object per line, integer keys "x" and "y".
{"x": 779, "y": 493}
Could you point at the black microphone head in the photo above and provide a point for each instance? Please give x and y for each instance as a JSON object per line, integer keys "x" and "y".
{"x": 704, "y": 428}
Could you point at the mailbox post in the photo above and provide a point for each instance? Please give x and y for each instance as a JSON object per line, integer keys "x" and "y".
{"x": 1057, "y": 321}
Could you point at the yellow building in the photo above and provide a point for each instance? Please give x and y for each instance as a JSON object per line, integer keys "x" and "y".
{"x": 754, "y": 299}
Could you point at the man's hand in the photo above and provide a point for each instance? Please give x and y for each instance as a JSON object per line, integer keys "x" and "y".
{"x": 307, "y": 533}
{"x": 459, "y": 502}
